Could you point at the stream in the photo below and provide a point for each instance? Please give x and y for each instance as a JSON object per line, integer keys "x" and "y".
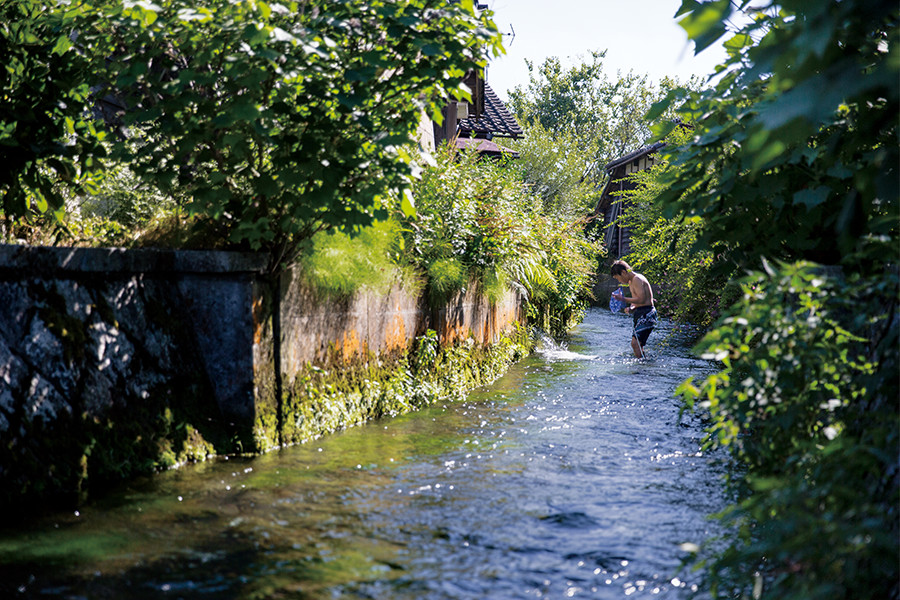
{"x": 572, "y": 476}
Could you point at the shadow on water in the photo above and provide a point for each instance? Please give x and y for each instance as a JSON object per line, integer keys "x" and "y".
{"x": 571, "y": 476}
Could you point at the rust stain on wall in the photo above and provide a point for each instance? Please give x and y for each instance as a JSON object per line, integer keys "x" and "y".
{"x": 259, "y": 320}
{"x": 314, "y": 332}
{"x": 395, "y": 333}
{"x": 350, "y": 345}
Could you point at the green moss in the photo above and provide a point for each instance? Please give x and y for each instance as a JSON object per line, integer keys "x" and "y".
{"x": 264, "y": 436}
{"x": 195, "y": 447}
{"x": 166, "y": 457}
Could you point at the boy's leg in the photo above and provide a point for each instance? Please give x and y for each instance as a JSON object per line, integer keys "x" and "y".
{"x": 636, "y": 348}
{"x": 643, "y": 327}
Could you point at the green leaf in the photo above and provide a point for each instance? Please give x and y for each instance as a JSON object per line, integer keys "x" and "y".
{"x": 361, "y": 74}
{"x": 686, "y": 7}
{"x": 431, "y": 49}
{"x": 662, "y": 129}
{"x": 738, "y": 42}
{"x": 658, "y": 108}
{"x": 244, "y": 110}
{"x": 407, "y": 204}
{"x": 768, "y": 153}
{"x": 63, "y": 43}
{"x": 811, "y": 198}
{"x": 706, "y": 23}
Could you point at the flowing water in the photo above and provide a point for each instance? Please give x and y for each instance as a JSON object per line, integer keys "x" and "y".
{"x": 571, "y": 476}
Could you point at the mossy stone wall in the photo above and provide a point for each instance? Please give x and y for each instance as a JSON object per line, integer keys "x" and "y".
{"x": 344, "y": 362}
{"x": 116, "y": 363}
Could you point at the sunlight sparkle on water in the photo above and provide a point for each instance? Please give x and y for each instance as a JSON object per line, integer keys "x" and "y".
{"x": 581, "y": 476}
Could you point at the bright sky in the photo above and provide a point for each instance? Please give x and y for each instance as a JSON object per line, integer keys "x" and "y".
{"x": 638, "y": 35}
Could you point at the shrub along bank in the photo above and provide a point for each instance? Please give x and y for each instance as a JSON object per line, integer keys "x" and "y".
{"x": 789, "y": 182}
{"x": 475, "y": 221}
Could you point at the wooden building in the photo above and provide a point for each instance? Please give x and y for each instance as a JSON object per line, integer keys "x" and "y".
{"x": 612, "y": 206}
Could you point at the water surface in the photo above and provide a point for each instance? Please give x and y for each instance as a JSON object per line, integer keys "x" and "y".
{"x": 571, "y": 476}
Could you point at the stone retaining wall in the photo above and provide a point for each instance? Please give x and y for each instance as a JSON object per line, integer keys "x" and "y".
{"x": 118, "y": 362}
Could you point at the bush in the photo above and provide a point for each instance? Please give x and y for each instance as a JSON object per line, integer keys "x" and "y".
{"x": 274, "y": 120}
{"x": 477, "y": 221}
{"x": 121, "y": 197}
{"x": 807, "y": 400}
{"x": 475, "y": 224}
{"x": 337, "y": 265}
{"x": 446, "y": 277}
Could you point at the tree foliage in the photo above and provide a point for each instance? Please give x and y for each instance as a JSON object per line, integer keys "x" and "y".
{"x": 809, "y": 406}
{"x": 797, "y": 155}
{"x": 692, "y": 285}
{"x": 599, "y": 117}
{"x": 792, "y": 177}
{"x": 273, "y": 120}
{"x": 554, "y": 169}
{"x": 47, "y": 138}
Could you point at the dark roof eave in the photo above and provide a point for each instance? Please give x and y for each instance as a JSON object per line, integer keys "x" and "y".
{"x": 636, "y": 154}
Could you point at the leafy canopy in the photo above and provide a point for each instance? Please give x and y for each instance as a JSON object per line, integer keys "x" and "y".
{"x": 555, "y": 169}
{"x": 797, "y": 155}
{"x": 792, "y": 176}
{"x": 47, "y": 137}
{"x": 596, "y": 116}
{"x": 273, "y": 120}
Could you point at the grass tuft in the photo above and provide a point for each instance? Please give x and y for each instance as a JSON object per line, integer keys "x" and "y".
{"x": 446, "y": 277}
{"x": 339, "y": 265}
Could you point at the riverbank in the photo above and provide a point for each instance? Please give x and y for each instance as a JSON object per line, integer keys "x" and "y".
{"x": 118, "y": 363}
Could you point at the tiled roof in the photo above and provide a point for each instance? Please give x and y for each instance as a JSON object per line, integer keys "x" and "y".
{"x": 496, "y": 119}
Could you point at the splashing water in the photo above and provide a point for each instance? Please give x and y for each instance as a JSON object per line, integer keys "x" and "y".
{"x": 553, "y": 350}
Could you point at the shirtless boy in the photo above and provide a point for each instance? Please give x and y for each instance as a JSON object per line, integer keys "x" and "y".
{"x": 641, "y": 301}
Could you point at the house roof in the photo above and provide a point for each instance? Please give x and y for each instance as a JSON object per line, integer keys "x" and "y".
{"x": 634, "y": 155}
{"x": 495, "y": 121}
{"x": 484, "y": 146}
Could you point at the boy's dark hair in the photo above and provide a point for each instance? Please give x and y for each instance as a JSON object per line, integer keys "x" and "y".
{"x": 619, "y": 267}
